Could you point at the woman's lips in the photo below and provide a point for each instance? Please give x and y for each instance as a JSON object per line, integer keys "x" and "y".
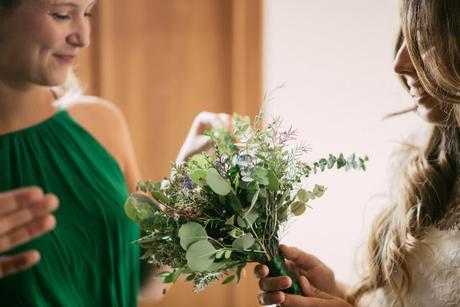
{"x": 417, "y": 91}
{"x": 424, "y": 99}
{"x": 66, "y": 58}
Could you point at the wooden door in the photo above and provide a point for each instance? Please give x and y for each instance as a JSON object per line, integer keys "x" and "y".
{"x": 164, "y": 61}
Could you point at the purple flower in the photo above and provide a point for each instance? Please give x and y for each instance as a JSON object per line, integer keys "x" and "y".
{"x": 189, "y": 183}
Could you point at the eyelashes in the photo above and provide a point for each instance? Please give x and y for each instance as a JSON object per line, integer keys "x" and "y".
{"x": 59, "y": 16}
{"x": 63, "y": 17}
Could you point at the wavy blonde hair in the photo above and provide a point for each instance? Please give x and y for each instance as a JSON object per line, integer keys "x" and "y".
{"x": 427, "y": 174}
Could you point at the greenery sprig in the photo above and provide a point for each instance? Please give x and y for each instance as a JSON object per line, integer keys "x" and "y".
{"x": 217, "y": 213}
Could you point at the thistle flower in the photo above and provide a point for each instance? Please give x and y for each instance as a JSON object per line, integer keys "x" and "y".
{"x": 189, "y": 183}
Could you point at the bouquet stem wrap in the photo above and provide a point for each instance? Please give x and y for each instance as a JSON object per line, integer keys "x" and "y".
{"x": 278, "y": 267}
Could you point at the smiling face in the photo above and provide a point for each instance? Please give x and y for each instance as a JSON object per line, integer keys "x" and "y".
{"x": 427, "y": 107}
{"x": 40, "y": 40}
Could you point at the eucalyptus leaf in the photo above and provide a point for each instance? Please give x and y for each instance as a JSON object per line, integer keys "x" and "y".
{"x": 198, "y": 175}
{"x": 142, "y": 198}
{"x": 190, "y": 233}
{"x": 235, "y": 203}
{"x": 228, "y": 254}
{"x": 302, "y": 195}
{"x": 254, "y": 199}
{"x": 311, "y": 195}
{"x": 230, "y": 221}
{"x": 298, "y": 208}
{"x": 220, "y": 254}
{"x": 200, "y": 256}
{"x": 200, "y": 161}
{"x": 139, "y": 208}
{"x": 261, "y": 172}
{"x": 319, "y": 190}
{"x": 244, "y": 242}
{"x": 236, "y": 233}
{"x": 251, "y": 217}
{"x": 262, "y": 176}
{"x": 341, "y": 161}
{"x": 241, "y": 222}
{"x": 218, "y": 184}
{"x": 218, "y": 266}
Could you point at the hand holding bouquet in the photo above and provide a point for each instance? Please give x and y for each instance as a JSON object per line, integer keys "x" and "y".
{"x": 218, "y": 213}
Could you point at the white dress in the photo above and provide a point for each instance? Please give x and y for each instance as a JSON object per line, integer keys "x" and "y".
{"x": 434, "y": 267}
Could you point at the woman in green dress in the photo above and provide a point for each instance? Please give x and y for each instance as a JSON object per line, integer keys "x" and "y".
{"x": 81, "y": 153}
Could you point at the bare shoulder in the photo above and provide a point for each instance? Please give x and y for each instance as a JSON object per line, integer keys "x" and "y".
{"x": 95, "y": 110}
{"x": 105, "y": 122}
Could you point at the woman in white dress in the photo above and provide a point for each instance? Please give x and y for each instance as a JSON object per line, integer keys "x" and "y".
{"x": 414, "y": 246}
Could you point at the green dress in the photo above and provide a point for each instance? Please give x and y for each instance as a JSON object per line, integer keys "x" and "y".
{"x": 88, "y": 259}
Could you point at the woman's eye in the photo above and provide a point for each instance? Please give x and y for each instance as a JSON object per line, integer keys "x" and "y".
{"x": 88, "y": 14}
{"x": 60, "y": 16}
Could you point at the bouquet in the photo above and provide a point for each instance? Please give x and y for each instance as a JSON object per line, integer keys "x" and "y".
{"x": 218, "y": 212}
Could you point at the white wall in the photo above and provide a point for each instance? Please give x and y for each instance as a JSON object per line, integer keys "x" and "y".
{"x": 335, "y": 59}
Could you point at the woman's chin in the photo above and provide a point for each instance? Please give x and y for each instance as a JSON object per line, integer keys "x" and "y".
{"x": 433, "y": 116}
{"x": 53, "y": 81}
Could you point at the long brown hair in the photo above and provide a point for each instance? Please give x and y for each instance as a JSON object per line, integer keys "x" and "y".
{"x": 427, "y": 175}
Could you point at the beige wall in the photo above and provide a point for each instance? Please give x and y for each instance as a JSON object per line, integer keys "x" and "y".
{"x": 335, "y": 59}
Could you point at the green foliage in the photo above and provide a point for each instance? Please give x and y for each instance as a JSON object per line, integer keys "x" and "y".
{"x": 298, "y": 208}
{"x": 139, "y": 207}
{"x": 190, "y": 233}
{"x": 200, "y": 255}
{"x": 218, "y": 212}
{"x": 243, "y": 243}
{"x": 218, "y": 184}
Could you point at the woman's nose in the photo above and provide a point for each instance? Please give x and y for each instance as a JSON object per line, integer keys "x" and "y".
{"x": 403, "y": 64}
{"x": 81, "y": 36}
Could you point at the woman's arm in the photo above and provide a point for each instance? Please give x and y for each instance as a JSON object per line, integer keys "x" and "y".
{"x": 196, "y": 142}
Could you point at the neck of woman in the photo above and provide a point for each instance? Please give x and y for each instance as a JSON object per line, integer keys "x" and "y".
{"x": 24, "y": 107}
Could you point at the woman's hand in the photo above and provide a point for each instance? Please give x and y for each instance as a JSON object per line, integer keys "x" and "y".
{"x": 308, "y": 269}
{"x": 196, "y": 142}
{"x": 313, "y": 297}
{"x": 24, "y": 215}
